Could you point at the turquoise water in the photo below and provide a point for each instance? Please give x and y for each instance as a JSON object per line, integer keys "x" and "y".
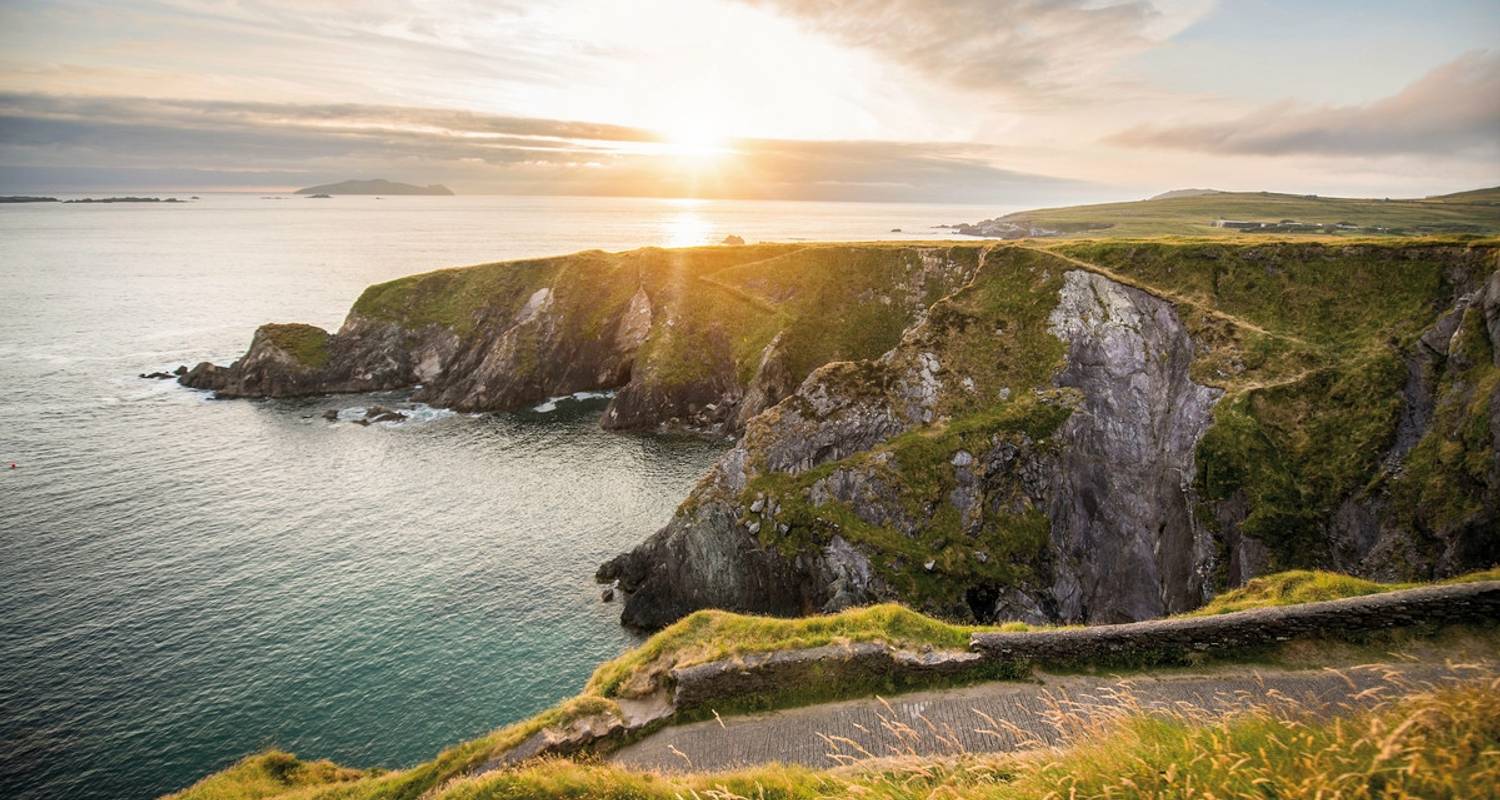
{"x": 183, "y": 580}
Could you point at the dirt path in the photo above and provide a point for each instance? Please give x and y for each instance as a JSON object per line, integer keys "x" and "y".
{"x": 1169, "y": 296}
{"x": 1000, "y": 717}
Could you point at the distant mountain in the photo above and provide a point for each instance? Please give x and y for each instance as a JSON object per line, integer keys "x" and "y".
{"x": 376, "y": 186}
{"x": 1186, "y": 193}
{"x": 1481, "y": 197}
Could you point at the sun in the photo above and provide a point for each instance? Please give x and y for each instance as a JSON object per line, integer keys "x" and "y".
{"x": 695, "y": 138}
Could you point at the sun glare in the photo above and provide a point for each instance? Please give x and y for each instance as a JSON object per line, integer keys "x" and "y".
{"x": 695, "y": 138}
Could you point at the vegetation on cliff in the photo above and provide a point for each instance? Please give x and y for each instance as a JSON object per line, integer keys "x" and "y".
{"x": 1315, "y": 370}
{"x": 1321, "y": 441}
{"x": 1311, "y": 344}
{"x": 306, "y": 344}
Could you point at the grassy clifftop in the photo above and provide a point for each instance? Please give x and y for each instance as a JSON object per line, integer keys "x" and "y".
{"x": 697, "y": 326}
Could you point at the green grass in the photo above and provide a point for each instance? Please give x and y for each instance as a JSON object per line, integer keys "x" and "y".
{"x": 1450, "y": 472}
{"x": 273, "y": 773}
{"x": 715, "y": 309}
{"x": 1311, "y": 586}
{"x": 307, "y": 344}
{"x": 1476, "y": 213}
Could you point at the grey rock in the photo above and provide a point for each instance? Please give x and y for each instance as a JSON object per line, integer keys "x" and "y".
{"x": 1124, "y": 540}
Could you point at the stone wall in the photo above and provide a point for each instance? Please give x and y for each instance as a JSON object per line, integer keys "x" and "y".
{"x": 1169, "y": 640}
{"x": 857, "y": 666}
{"x": 766, "y": 675}
{"x": 1163, "y": 641}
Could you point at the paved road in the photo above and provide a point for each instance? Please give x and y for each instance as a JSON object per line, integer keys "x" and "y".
{"x": 999, "y": 717}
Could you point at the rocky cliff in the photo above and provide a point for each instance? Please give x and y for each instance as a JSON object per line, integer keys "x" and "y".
{"x": 1088, "y": 431}
{"x": 700, "y": 338}
{"x": 1114, "y": 432}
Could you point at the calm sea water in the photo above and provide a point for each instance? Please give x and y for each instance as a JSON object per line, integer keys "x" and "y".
{"x": 183, "y": 581}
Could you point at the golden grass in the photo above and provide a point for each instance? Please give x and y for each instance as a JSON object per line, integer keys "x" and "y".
{"x": 1311, "y": 586}
{"x": 273, "y": 773}
{"x": 1436, "y": 742}
{"x": 701, "y": 637}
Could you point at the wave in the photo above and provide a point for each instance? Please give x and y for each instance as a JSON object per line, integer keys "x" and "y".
{"x": 550, "y": 404}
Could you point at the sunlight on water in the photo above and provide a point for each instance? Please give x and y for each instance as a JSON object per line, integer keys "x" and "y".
{"x": 687, "y": 229}
{"x": 183, "y": 581}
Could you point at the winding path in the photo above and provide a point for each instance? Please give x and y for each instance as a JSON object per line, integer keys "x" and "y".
{"x": 1007, "y": 716}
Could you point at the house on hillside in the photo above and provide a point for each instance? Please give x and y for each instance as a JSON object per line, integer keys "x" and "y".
{"x": 1239, "y": 225}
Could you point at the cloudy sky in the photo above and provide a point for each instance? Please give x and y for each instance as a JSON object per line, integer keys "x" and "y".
{"x": 996, "y": 101}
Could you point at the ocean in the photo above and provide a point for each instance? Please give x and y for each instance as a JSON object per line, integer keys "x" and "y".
{"x": 184, "y": 581}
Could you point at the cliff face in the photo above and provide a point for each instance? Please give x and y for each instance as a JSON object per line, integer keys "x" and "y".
{"x": 1053, "y": 443}
{"x": 1091, "y": 431}
{"x": 701, "y": 338}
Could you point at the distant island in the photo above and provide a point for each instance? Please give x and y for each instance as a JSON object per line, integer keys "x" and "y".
{"x": 130, "y": 199}
{"x": 376, "y": 186}
{"x": 22, "y": 198}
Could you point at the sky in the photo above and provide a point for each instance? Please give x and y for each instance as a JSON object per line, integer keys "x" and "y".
{"x": 960, "y": 101}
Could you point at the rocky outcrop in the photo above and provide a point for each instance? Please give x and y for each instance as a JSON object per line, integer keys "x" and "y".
{"x": 1125, "y": 542}
{"x": 1114, "y": 481}
{"x": 681, "y": 336}
{"x": 1440, "y": 478}
{"x": 1062, "y": 493}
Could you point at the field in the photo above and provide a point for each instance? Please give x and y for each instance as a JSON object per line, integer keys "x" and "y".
{"x": 1476, "y": 212}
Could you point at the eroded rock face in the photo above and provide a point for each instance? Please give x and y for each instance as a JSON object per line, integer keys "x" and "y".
{"x": 1449, "y": 406}
{"x": 1115, "y": 481}
{"x": 1125, "y": 543}
{"x": 363, "y": 356}
{"x": 583, "y": 323}
{"x": 707, "y": 559}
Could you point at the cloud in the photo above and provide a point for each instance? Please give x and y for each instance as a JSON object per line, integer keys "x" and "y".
{"x": 1454, "y": 108}
{"x": 223, "y": 143}
{"x": 1023, "y": 47}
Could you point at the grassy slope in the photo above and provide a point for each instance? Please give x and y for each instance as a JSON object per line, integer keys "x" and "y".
{"x": 699, "y": 638}
{"x": 1469, "y": 212}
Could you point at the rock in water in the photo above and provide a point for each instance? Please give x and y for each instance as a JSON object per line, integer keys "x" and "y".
{"x": 383, "y": 414}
